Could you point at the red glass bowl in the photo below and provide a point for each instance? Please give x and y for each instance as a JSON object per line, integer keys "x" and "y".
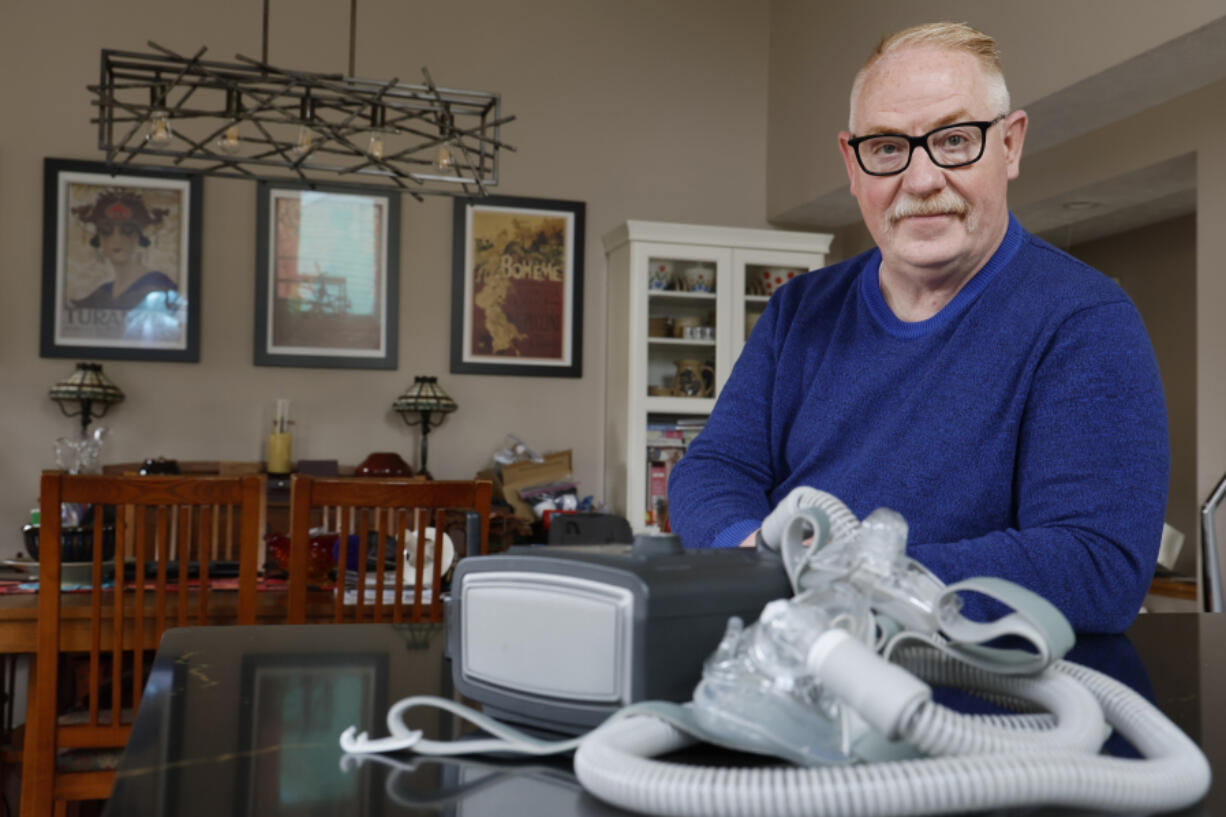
{"x": 320, "y": 558}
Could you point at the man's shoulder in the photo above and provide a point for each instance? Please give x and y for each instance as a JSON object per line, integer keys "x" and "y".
{"x": 1038, "y": 253}
{"x": 1052, "y": 274}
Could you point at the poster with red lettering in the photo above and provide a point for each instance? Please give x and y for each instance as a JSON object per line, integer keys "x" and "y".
{"x": 517, "y": 287}
{"x": 121, "y": 263}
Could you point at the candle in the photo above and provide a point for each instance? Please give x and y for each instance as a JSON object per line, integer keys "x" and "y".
{"x": 281, "y": 419}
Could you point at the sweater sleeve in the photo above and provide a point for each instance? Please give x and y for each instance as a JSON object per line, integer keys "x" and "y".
{"x": 719, "y": 492}
{"x": 1090, "y": 478}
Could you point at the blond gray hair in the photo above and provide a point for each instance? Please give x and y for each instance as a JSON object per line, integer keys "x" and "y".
{"x": 947, "y": 36}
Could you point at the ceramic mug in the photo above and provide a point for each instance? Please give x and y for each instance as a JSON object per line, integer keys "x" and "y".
{"x": 694, "y": 379}
{"x": 659, "y": 274}
{"x": 683, "y": 323}
{"x": 700, "y": 279}
{"x": 774, "y": 277}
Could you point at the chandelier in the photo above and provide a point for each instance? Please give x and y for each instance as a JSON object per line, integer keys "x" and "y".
{"x": 253, "y": 120}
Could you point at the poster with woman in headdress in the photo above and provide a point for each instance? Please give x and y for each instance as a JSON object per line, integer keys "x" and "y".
{"x": 120, "y": 263}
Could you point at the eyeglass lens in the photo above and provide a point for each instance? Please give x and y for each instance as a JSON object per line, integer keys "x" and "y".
{"x": 949, "y": 146}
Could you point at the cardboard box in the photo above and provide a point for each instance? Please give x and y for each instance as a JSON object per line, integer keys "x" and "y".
{"x": 523, "y": 475}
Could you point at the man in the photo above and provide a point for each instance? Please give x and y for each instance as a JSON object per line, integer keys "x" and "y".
{"x": 1000, "y": 395}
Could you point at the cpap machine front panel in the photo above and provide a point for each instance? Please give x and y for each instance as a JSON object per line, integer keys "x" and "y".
{"x": 514, "y": 622}
{"x": 562, "y": 637}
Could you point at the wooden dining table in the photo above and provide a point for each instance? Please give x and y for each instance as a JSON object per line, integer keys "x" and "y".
{"x": 19, "y": 613}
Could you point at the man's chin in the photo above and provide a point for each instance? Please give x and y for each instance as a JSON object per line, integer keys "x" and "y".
{"x": 931, "y": 252}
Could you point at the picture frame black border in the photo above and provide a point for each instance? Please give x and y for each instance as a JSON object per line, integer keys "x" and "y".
{"x": 260, "y": 354}
{"x": 459, "y": 273}
{"x": 52, "y": 168}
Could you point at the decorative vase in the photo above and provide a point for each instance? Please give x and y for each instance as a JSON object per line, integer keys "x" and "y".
{"x": 694, "y": 379}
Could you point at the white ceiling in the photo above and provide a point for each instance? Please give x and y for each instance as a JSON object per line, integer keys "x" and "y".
{"x": 1143, "y": 197}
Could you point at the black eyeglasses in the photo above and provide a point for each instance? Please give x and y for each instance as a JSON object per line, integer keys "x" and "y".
{"x": 957, "y": 145}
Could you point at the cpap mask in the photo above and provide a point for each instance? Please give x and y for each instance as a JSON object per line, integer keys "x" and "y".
{"x": 836, "y": 680}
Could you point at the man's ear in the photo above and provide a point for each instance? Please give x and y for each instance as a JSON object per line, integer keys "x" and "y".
{"x": 849, "y": 160}
{"x": 1014, "y": 128}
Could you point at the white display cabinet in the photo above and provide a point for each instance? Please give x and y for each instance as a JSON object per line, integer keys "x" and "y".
{"x": 681, "y": 298}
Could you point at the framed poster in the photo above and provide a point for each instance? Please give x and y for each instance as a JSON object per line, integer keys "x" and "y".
{"x": 517, "y": 287}
{"x": 326, "y": 276}
{"x": 121, "y": 263}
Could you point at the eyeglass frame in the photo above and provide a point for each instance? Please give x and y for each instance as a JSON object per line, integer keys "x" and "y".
{"x": 922, "y": 142}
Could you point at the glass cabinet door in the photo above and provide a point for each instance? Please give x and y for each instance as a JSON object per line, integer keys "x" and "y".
{"x": 756, "y": 274}
{"x": 686, "y": 289}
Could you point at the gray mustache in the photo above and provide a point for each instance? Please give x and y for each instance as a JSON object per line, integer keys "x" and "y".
{"x": 941, "y": 204}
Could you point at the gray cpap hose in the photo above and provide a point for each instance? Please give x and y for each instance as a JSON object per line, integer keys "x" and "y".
{"x": 842, "y": 521}
{"x": 615, "y": 764}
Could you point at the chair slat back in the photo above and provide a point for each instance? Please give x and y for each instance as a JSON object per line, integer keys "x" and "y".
{"x": 383, "y": 512}
{"x": 147, "y": 533}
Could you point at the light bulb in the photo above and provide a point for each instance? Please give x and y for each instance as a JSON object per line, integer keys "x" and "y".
{"x": 228, "y": 143}
{"x": 446, "y": 158}
{"x": 159, "y": 128}
{"x": 305, "y": 138}
{"x": 376, "y": 146}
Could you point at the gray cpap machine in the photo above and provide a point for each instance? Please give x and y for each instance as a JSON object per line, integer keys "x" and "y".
{"x": 562, "y": 637}
{"x": 818, "y": 649}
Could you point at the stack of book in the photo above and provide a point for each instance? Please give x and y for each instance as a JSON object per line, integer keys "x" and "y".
{"x": 666, "y": 445}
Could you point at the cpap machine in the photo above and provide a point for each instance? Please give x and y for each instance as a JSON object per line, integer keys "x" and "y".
{"x": 833, "y": 675}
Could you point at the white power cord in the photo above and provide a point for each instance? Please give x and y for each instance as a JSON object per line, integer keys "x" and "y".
{"x": 506, "y": 738}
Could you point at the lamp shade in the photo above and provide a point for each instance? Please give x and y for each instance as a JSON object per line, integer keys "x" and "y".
{"x": 87, "y": 383}
{"x": 425, "y": 395}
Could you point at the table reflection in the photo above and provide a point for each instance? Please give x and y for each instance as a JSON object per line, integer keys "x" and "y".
{"x": 472, "y": 787}
{"x": 292, "y": 704}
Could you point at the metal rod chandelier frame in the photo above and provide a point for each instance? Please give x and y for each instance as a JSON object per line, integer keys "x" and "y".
{"x": 296, "y": 125}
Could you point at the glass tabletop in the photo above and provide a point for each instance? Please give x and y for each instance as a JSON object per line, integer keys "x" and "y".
{"x": 245, "y": 721}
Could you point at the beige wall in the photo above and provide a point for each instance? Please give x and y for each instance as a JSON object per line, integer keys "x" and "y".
{"x": 641, "y": 109}
{"x": 1047, "y": 45}
{"x": 1156, "y": 266}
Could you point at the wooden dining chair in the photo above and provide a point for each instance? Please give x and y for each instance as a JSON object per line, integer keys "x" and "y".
{"x": 384, "y": 521}
{"x": 156, "y": 546}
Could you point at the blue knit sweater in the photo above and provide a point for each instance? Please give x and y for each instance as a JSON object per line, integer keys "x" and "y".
{"x": 1021, "y": 431}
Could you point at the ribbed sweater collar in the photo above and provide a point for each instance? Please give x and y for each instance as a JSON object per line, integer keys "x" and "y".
{"x": 870, "y": 289}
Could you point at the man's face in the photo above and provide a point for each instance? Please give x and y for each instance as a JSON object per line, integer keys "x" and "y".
{"x": 932, "y": 222}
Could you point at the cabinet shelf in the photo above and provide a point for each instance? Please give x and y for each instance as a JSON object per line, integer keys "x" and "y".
{"x": 677, "y": 405}
{"x": 673, "y": 295}
{"x": 680, "y": 342}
